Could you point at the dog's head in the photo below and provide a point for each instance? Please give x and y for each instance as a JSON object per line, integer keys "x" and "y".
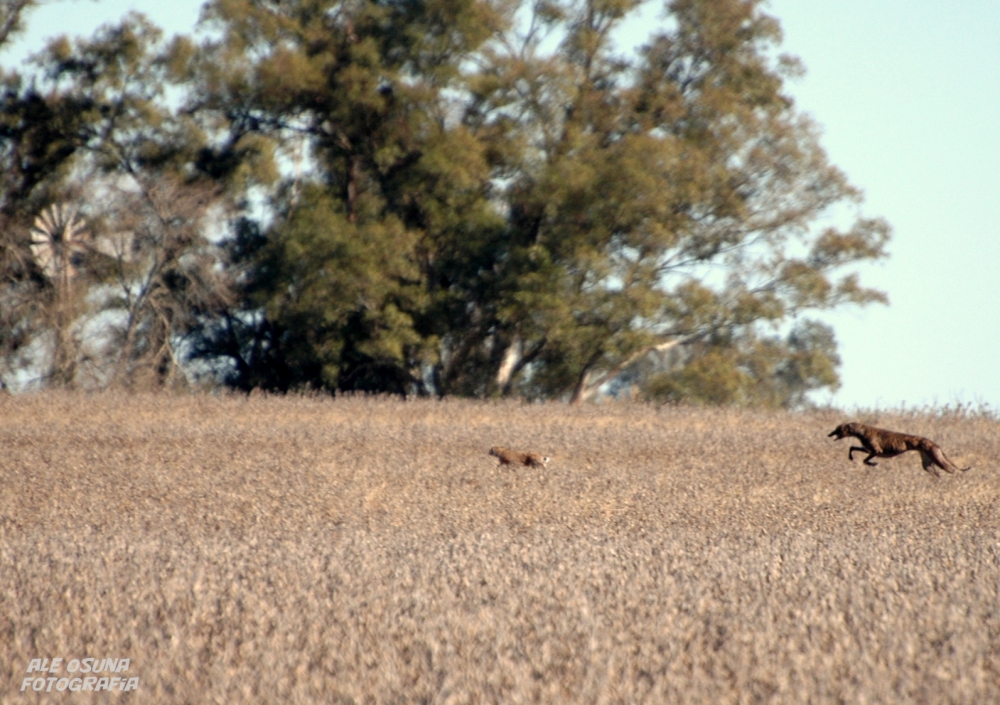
{"x": 537, "y": 461}
{"x": 842, "y": 431}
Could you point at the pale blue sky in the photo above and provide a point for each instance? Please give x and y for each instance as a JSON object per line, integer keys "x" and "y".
{"x": 908, "y": 95}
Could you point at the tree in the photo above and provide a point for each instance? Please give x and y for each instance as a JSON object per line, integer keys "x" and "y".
{"x": 663, "y": 201}
{"x": 488, "y": 215}
{"x": 37, "y": 141}
{"x": 350, "y": 287}
{"x": 448, "y": 196}
{"x": 94, "y": 129}
{"x": 751, "y": 371}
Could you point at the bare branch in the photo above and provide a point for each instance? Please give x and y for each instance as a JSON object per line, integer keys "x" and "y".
{"x": 10, "y": 17}
{"x": 588, "y": 388}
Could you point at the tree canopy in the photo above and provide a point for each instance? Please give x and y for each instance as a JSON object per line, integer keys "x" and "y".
{"x": 463, "y": 197}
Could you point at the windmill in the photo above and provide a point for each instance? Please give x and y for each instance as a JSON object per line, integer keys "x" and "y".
{"x": 58, "y": 242}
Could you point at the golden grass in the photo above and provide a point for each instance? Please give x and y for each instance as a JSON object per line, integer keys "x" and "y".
{"x": 369, "y": 551}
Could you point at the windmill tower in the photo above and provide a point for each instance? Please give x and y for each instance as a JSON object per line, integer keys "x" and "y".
{"x": 58, "y": 243}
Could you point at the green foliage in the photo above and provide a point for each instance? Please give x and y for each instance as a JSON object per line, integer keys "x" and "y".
{"x": 660, "y": 199}
{"x": 474, "y": 198}
{"x": 366, "y": 268}
{"x": 343, "y": 292}
{"x": 769, "y": 372}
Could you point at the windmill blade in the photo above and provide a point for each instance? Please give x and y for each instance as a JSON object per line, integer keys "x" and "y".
{"x": 57, "y": 235}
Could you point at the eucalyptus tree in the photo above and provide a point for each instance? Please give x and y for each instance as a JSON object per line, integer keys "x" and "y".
{"x": 664, "y": 200}
{"x": 491, "y": 198}
{"x": 360, "y": 269}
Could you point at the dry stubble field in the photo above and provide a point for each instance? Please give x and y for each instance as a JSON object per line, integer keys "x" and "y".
{"x": 369, "y": 551}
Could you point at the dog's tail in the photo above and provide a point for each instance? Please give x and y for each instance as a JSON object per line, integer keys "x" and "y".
{"x": 937, "y": 455}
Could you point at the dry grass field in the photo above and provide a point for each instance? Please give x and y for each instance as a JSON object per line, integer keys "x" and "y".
{"x": 301, "y": 550}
